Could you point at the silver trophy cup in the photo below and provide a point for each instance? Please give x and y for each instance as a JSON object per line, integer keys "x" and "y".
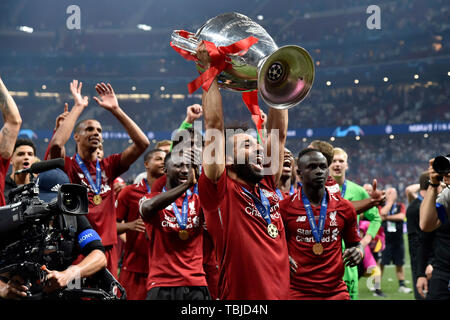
{"x": 283, "y": 76}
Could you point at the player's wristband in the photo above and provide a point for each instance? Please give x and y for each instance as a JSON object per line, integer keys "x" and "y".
{"x": 434, "y": 185}
{"x": 185, "y": 125}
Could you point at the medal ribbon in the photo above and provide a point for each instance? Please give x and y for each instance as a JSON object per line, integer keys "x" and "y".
{"x": 146, "y": 184}
{"x": 98, "y": 181}
{"x": 316, "y": 231}
{"x": 280, "y": 195}
{"x": 262, "y": 205}
{"x": 344, "y": 188}
{"x": 393, "y": 209}
{"x": 181, "y": 219}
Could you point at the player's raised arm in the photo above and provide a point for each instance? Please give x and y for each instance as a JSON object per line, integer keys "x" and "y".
{"x": 214, "y": 151}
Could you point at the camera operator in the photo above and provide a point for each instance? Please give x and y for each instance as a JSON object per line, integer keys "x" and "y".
{"x": 434, "y": 211}
{"x": 61, "y": 272}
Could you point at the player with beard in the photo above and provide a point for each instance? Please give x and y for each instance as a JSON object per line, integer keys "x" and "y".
{"x": 24, "y": 155}
{"x": 8, "y": 134}
{"x": 133, "y": 274}
{"x": 285, "y": 186}
{"x": 174, "y": 222}
{"x": 240, "y": 203}
{"x": 316, "y": 223}
{"x": 86, "y": 169}
{"x": 353, "y": 192}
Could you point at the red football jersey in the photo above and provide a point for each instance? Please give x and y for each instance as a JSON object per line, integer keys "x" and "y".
{"x": 210, "y": 265}
{"x": 252, "y": 265}
{"x": 174, "y": 262}
{"x": 318, "y": 274}
{"x": 4, "y": 167}
{"x": 159, "y": 183}
{"x": 135, "y": 257}
{"x": 332, "y": 186}
{"x": 103, "y": 216}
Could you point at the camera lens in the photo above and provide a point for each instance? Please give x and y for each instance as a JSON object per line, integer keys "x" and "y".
{"x": 70, "y": 202}
{"x": 441, "y": 165}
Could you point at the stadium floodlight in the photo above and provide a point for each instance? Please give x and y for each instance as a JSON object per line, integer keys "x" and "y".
{"x": 385, "y": 79}
{"x": 25, "y": 29}
{"x": 328, "y": 83}
{"x": 356, "y": 81}
{"x": 144, "y": 27}
{"x": 416, "y": 76}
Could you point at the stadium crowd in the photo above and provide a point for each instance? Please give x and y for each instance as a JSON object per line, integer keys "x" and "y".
{"x": 140, "y": 200}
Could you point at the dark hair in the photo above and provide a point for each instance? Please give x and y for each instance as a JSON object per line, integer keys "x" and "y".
{"x": 79, "y": 123}
{"x": 235, "y": 127}
{"x": 305, "y": 152}
{"x": 150, "y": 153}
{"x": 25, "y": 142}
{"x": 424, "y": 180}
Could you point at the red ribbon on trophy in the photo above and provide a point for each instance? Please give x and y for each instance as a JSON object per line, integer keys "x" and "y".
{"x": 219, "y": 62}
{"x": 251, "y": 101}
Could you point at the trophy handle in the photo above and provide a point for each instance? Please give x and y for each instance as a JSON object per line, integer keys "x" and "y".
{"x": 187, "y": 41}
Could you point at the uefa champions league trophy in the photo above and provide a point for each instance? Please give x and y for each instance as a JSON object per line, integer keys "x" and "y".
{"x": 283, "y": 76}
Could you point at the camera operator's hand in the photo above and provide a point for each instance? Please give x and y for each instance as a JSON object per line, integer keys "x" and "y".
{"x": 435, "y": 178}
{"x": 13, "y": 289}
{"x": 57, "y": 280}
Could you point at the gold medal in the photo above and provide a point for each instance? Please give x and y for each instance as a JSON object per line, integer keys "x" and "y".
{"x": 183, "y": 235}
{"x": 97, "y": 199}
{"x": 317, "y": 249}
{"x": 272, "y": 230}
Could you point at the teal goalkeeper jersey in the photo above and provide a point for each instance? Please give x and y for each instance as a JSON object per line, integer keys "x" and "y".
{"x": 354, "y": 192}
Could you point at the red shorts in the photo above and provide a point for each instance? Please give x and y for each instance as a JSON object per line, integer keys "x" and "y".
{"x": 134, "y": 284}
{"x": 112, "y": 260}
{"x": 212, "y": 278}
{"x": 298, "y": 295}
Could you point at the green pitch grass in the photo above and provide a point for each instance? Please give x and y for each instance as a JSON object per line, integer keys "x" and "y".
{"x": 389, "y": 282}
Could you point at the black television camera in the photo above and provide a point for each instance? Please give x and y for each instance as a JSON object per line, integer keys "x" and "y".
{"x": 29, "y": 238}
{"x": 441, "y": 165}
